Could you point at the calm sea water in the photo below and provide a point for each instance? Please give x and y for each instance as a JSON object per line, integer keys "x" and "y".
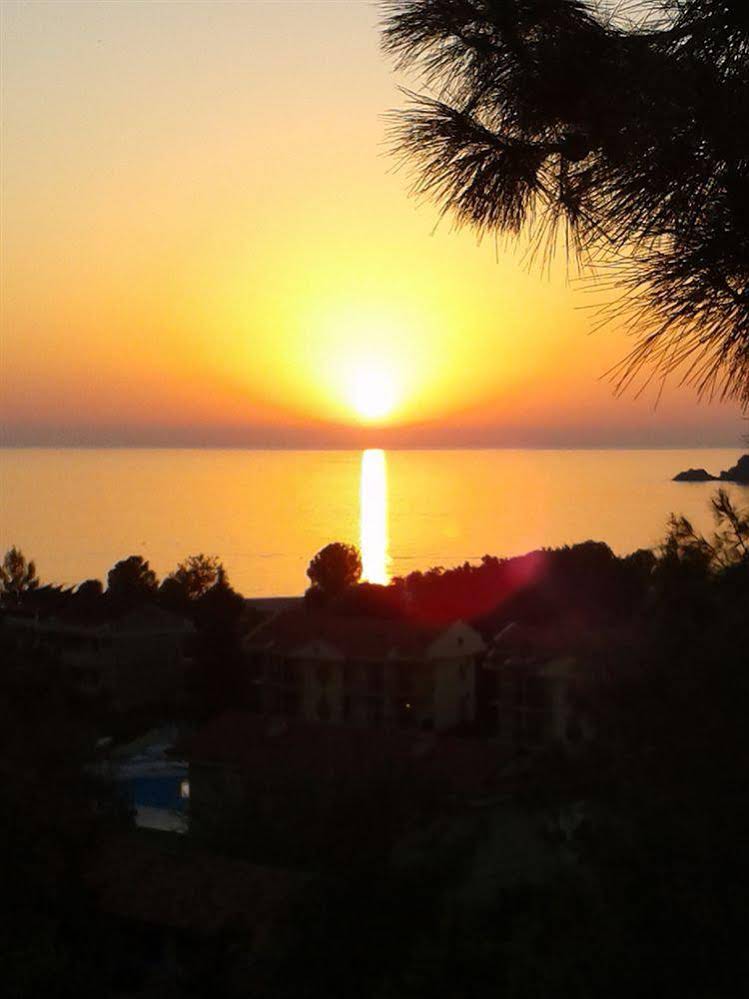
{"x": 265, "y": 513}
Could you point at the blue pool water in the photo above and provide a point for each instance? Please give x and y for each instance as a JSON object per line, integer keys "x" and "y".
{"x": 156, "y": 792}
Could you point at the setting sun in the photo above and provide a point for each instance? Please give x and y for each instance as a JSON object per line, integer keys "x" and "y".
{"x": 322, "y": 506}
{"x": 372, "y": 392}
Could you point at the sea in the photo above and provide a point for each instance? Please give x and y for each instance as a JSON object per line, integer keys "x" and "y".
{"x": 266, "y": 513}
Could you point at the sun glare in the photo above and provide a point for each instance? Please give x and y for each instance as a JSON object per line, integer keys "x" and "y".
{"x": 372, "y": 392}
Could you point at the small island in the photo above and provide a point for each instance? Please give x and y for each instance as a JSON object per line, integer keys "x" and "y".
{"x": 738, "y": 473}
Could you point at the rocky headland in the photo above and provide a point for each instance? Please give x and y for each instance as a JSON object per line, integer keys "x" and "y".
{"x": 738, "y": 473}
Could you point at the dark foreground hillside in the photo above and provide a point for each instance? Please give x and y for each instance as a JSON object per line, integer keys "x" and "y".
{"x": 385, "y": 860}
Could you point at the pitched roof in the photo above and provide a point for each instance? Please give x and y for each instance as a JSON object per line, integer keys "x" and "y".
{"x": 279, "y": 749}
{"x": 152, "y": 618}
{"x": 146, "y": 618}
{"x": 272, "y": 605}
{"x": 356, "y": 637}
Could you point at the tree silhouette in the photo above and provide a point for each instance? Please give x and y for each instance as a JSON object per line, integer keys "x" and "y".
{"x": 198, "y": 573}
{"x": 334, "y": 568}
{"x": 728, "y": 546}
{"x": 370, "y": 600}
{"x": 219, "y": 664}
{"x": 131, "y": 581}
{"x": 89, "y": 589}
{"x": 172, "y": 596}
{"x": 621, "y": 124}
{"x": 17, "y": 576}
{"x": 88, "y": 600}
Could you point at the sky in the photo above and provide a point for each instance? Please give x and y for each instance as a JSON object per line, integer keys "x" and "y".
{"x": 206, "y": 243}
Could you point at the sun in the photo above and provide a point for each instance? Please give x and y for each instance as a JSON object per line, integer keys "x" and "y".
{"x": 372, "y": 391}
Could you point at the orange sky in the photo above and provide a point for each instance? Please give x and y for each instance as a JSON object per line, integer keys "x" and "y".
{"x": 205, "y": 243}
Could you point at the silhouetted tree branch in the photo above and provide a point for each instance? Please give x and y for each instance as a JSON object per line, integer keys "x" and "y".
{"x": 197, "y": 574}
{"x": 729, "y": 544}
{"x": 626, "y": 131}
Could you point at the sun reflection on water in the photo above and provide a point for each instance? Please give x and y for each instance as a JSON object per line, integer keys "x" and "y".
{"x": 373, "y": 529}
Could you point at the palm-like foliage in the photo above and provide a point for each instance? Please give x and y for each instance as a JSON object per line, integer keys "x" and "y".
{"x": 627, "y": 129}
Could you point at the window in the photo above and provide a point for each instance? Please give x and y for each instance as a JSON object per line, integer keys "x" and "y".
{"x": 374, "y": 710}
{"x": 257, "y": 667}
{"x": 464, "y": 708}
{"x": 323, "y": 709}
{"x": 428, "y": 681}
{"x": 233, "y": 784}
{"x": 323, "y": 674}
{"x": 290, "y": 673}
{"x": 272, "y": 701}
{"x": 376, "y": 676}
{"x": 535, "y": 693}
{"x": 532, "y": 728}
{"x": 405, "y": 714}
{"x": 405, "y": 678}
{"x": 517, "y": 689}
{"x": 290, "y": 703}
{"x": 573, "y": 731}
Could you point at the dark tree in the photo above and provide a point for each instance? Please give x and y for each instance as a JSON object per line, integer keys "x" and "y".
{"x": 172, "y": 596}
{"x": 17, "y": 576}
{"x": 625, "y": 125}
{"x": 55, "y": 813}
{"x": 198, "y": 573}
{"x": 370, "y": 600}
{"x": 90, "y": 589}
{"x": 131, "y": 581}
{"x": 335, "y": 567}
{"x": 219, "y": 607}
{"x": 88, "y": 601}
{"x": 728, "y": 546}
{"x": 219, "y": 665}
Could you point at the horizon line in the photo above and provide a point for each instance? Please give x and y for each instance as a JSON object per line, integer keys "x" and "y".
{"x": 176, "y": 446}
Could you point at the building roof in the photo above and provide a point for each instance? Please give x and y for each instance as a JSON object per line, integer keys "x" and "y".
{"x": 357, "y": 637}
{"x": 279, "y": 749}
{"x": 272, "y": 605}
{"x": 137, "y": 878}
{"x": 539, "y": 642}
{"x": 152, "y": 619}
{"x": 147, "y": 619}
